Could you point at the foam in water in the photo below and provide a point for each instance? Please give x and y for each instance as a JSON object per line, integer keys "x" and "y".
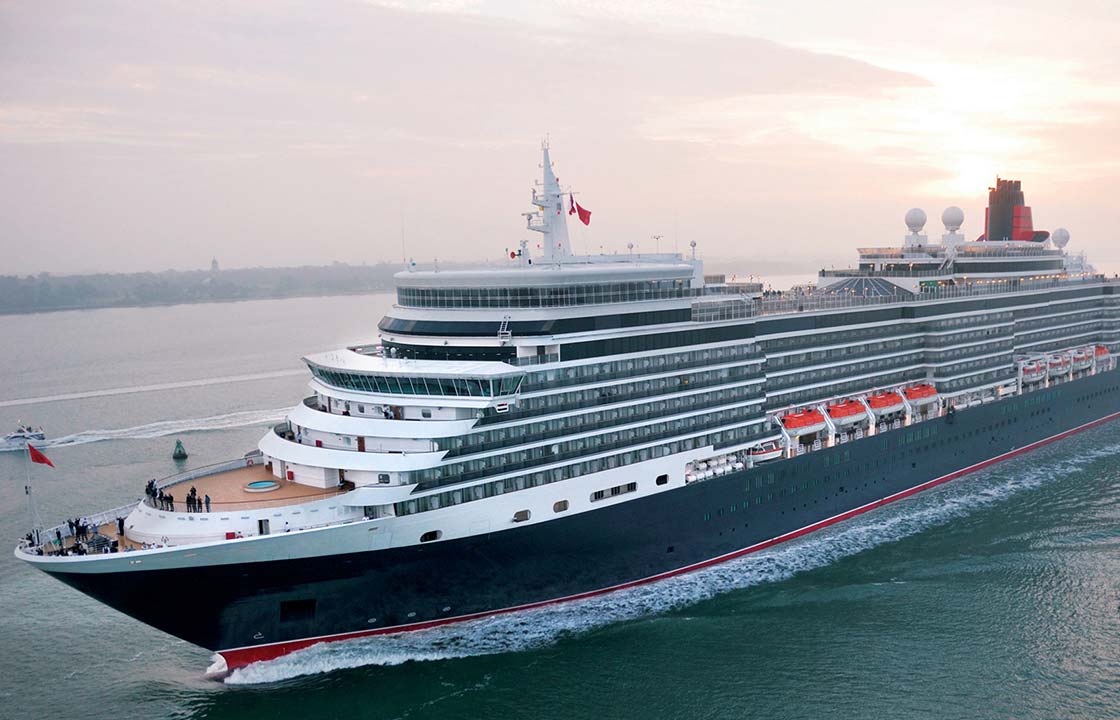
{"x": 165, "y": 428}
{"x": 542, "y": 626}
{"x": 109, "y": 392}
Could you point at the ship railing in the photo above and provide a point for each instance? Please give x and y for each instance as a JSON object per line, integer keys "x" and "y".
{"x": 203, "y": 471}
{"x": 534, "y": 359}
{"x": 49, "y": 536}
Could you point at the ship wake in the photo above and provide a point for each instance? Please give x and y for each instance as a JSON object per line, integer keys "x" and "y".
{"x": 164, "y": 428}
{"x": 539, "y": 627}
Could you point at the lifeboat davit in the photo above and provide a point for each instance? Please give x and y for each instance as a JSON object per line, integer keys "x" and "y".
{"x": 805, "y": 422}
{"x": 1034, "y": 372}
{"x": 846, "y": 412}
{"x": 1082, "y": 359}
{"x": 885, "y": 403}
{"x": 766, "y": 452}
{"x": 921, "y": 394}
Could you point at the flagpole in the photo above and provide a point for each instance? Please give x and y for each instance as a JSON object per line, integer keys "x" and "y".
{"x": 32, "y": 511}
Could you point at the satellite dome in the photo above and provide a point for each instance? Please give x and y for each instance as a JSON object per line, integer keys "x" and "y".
{"x": 915, "y": 219}
{"x": 1060, "y": 237}
{"x": 952, "y": 218}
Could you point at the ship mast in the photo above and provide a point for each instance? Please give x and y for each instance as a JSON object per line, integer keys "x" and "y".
{"x": 550, "y": 220}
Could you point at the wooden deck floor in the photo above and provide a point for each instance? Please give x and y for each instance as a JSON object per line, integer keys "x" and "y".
{"x": 227, "y": 491}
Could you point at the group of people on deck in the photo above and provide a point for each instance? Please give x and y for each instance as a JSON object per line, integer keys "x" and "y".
{"x": 166, "y": 501}
{"x": 196, "y": 504}
{"x": 80, "y": 528}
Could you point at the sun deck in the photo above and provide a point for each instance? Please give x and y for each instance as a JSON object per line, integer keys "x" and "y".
{"x": 230, "y": 490}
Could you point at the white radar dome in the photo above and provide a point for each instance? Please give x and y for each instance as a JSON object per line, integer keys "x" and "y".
{"x": 915, "y": 219}
{"x": 1060, "y": 237}
{"x": 952, "y": 218}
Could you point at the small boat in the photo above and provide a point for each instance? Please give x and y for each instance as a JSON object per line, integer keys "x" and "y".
{"x": 1101, "y": 352}
{"x": 1082, "y": 359}
{"x": 921, "y": 394}
{"x": 23, "y": 435}
{"x": 180, "y": 452}
{"x": 846, "y": 412}
{"x": 805, "y": 422}
{"x": 885, "y": 403}
{"x": 1034, "y": 372}
{"x": 1059, "y": 365}
{"x": 766, "y": 452}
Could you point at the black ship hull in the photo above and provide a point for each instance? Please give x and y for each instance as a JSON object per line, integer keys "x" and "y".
{"x": 261, "y": 610}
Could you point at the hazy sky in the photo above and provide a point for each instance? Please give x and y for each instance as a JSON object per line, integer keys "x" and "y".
{"x": 146, "y": 135}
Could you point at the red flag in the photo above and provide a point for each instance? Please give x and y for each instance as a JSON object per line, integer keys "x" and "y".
{"x": 584, "y": 213}
{"x": 38, "y": 457}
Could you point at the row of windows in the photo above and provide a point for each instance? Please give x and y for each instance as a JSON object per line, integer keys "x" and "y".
{"x": 800, "y": 325}
{"x": 614, "y": 491}
{"x": 394, "y": 385}
{"x": 949, "y": 371}
{"x": 819, "y": 375}
{"x": 578, "y": 447}
{"x": 851, "y": 351}
{"x": 577, "y": 399}
{"x": 613, "y": 369}
{"x": 722, "y": 438}
{"x": 559, "y": 296}
{"x": 966, "y": 320}
{"x": 976, "y": 380}
{"x": 958, "y": 338}
{"x": 1059, "y": 332}
{"x": 852, "y": 335}
{"x": 939, "y": 356}
{"x": 1065, "y": 319}
{"x": 557, "y": 427}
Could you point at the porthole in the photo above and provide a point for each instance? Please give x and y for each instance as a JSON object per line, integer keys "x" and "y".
{"x": 662, "y": 479}
{"x": 521, "y": 515}
{"x": 560, "y": 506}
{"x": 431, "y": 535}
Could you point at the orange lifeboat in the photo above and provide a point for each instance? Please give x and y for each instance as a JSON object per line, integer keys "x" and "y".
{"x": 921, "y": 394}
{"x": 1101, "y": 352}
{"x": 1034, "y": 372}
{"x": 846, "y": 412}
{"x": 1059, "y": 365}
{"x": 805, "y": 422}
{"x": 766, "y": 452}
{"x": 885, "y": 403}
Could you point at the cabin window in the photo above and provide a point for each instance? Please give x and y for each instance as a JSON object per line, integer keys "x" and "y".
{"x": 431, "y": 535}
{"x": 521, "y": 515}
{"x": 560, "y": 506}
{"x": 425, "y": 413}
{"x": 613, "y": 492}
{"x": 296, "y": 610}
{"x": 662, "y": 479}
{"x": 383, "y": 478}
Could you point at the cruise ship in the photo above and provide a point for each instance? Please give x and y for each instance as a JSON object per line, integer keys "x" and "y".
{"x": 556, "y": 426}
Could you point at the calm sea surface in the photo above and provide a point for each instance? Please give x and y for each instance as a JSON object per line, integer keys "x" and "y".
{"x": 996, "y": 596}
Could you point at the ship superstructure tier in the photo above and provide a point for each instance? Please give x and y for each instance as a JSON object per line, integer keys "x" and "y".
{"x": 551, "y": 386}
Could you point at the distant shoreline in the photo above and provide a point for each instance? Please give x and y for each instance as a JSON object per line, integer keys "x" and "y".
{"x": 200, "y": 301}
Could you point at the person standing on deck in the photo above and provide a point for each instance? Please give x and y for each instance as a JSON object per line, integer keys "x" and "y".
{"x": 170, "y": 499}
{"x": 206, "y": 499}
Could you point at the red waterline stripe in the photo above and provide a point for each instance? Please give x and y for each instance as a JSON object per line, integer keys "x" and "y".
{"x": 240, "y": 657}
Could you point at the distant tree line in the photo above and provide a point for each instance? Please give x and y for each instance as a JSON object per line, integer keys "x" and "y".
{"x": 36, "y": 293}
